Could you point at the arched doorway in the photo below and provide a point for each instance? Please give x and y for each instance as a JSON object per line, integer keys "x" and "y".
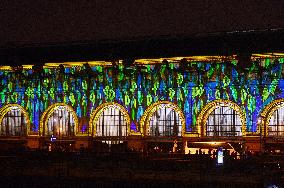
{"x": 110, "y": 123}
{"x": 221, "y": 118}
{"x": 58, "y": 125}
{"x": 14, "y": 121}
{"x": 163, "y": 125}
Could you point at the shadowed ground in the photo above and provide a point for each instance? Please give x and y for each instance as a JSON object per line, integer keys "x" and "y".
{"x": 37, "y": 169}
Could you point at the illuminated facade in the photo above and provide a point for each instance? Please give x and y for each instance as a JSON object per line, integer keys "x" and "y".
{"x": 163, "y": 99}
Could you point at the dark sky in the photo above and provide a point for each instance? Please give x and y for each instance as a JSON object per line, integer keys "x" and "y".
{"x": 24, "y": 22}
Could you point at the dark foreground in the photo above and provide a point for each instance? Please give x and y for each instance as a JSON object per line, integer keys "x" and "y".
{"x": 36, "y": 169}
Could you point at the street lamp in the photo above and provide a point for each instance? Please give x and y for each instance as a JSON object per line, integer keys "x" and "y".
{"x": 260, "y": 124}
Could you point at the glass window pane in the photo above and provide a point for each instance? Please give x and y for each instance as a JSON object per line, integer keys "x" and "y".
{"x": 61, "y": 122}
{"x": 13, "y": 123}
{"x": 276, "y": 123}
{"x": 111, "y": 122}
{"x": 165, "y": 121}
{"x": 224, "y": 121}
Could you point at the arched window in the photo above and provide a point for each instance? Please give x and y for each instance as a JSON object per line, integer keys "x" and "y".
{"x": 60, "y": 122}
{"x": 165, "y": 121}
{"x": 111, "y": 122}
{"x": 14, "y": 122}
{"x": 276, "y": 123}
{"x": 224, "y": 121}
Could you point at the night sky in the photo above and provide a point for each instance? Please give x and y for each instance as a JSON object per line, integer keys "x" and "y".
{"x": 51, "y": 22}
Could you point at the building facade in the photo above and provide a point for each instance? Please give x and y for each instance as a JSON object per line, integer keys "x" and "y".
{"x": 148, "y": 104}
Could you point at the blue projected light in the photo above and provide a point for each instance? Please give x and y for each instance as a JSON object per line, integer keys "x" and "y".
{"x": 191, "y": 88}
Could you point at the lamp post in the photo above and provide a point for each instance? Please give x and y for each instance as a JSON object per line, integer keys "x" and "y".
{"x": 260, "y": 124}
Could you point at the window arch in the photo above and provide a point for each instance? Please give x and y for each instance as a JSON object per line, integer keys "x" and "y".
{"x": 59, "y": 120}
{"x": 276, "y": 123}
{"x": 221, "y": 118}
{"x": 110, "y": 120}
{"x": 163, "y": 119}
{"x": 272, "y": 119}
{"x": 14, "y": 121}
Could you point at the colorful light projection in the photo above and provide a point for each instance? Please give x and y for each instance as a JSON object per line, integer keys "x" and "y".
{"x": 189, "y": 85}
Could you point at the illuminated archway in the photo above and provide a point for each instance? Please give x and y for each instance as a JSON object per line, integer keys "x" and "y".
{"x": 272, "y": 119}
{"x": 218, "y": 107}
{"x": 173, "y": 119}
{"x": 110, "y": 120}
{"x": 60, "y": 120}
{"x": 14, "y": 120}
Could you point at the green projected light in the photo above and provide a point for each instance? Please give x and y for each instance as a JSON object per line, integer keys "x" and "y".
{"x": 190, "y": 86}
